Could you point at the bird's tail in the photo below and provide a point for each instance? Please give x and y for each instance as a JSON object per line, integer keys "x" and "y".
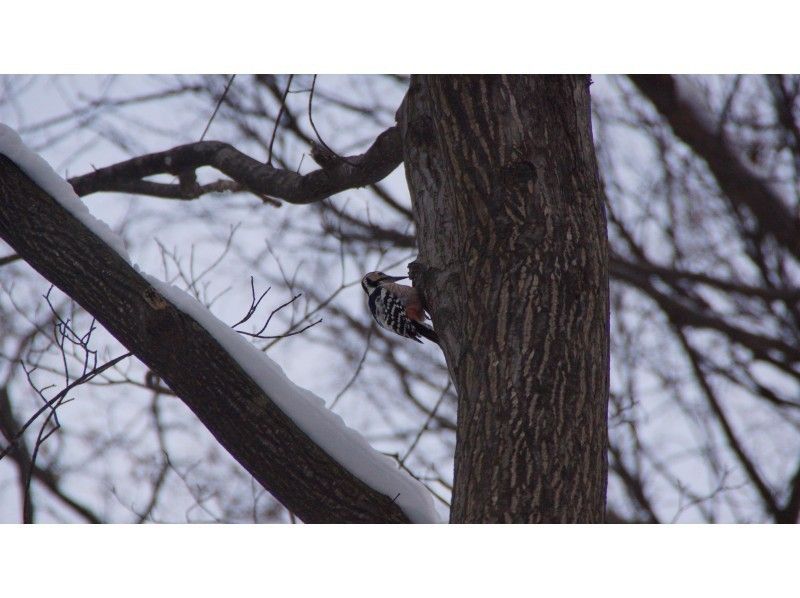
{"x": 427, "y": 332}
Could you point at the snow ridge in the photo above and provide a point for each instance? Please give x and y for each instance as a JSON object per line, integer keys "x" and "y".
{"x": 326, "y": 428}
{"x": 45, "y": 177}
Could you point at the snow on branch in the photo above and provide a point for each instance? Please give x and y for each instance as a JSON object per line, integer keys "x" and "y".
{"x": 44, "y": 176}
{"x": 308, "y": 411}
{"x": 156, "y": 316}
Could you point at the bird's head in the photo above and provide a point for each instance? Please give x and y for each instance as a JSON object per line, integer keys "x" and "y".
{"x": 373, "y": 280}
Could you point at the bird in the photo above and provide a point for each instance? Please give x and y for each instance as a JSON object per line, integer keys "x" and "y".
{"x": 397, "y": 307}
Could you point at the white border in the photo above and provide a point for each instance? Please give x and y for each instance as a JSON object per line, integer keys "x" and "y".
{"x": 414, "y": 35}
{"x": 390, "y": 561}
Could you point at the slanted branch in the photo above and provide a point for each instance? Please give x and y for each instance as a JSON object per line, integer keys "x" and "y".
{"x": 246, "y": 173}
{"x": 236, "y": 410}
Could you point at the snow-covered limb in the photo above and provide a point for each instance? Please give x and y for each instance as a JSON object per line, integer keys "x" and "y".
{"x": 43, "y": 175}
{"x": 307, "y": 411}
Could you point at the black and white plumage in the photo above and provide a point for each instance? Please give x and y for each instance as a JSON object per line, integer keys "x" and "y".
{"x": 397, "y": 307}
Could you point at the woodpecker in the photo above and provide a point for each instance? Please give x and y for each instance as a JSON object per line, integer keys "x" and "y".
{"x": 397, "y": 307}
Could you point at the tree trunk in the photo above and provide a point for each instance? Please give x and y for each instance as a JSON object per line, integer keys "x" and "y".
{"x": 513, "y": 262}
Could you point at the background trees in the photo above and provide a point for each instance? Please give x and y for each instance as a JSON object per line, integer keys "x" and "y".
{"x": 700, "y": 177}
{"x": 705, "y": 328}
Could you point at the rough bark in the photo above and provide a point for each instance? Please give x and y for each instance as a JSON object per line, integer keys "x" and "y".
{"x": 228, "y": 402}
{"x": 513, "y": 261}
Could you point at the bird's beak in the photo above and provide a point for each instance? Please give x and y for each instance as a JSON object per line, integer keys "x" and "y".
{"x": 396, "y": 278}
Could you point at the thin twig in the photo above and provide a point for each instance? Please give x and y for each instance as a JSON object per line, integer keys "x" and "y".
{"x": 260, "y": 334}
{"x": 427, "y": 423}
{"x": 253, "y": 303}
{"x": 284, "y": 335}
{"x": 27, "y": 507}
{"x": 358, "y": 369}
{"x": 313, "y": 126}
{"x": 276, "y": 310}
{"x": 278, "y": 119}
{"x": 216, "y": 109}
{"x": 435, "y": 494}
{"x": 9, "y": 259}
{"x": 49, "y": 404}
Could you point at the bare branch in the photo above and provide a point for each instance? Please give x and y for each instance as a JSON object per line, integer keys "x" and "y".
{"x": 9, "y": 259}
{"x": 376, "y": 163}
{"x": 739, "y": 183}
{"x": 278, "y": 119}
{"x": 60, "y": 398}
{"x": 241, "y": 415}
{"x": 767, "y": 496}
{"x": 216, "y": 108}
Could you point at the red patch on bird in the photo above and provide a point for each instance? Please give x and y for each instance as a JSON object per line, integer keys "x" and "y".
{"x": 415, "y": 313}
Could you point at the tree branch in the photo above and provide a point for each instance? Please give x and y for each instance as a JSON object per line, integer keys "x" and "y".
{"x": 791, "y": 512}
{"x": 240, "y": 415}
{"x": 375, "y": 164}
{"x": 619, "y": 266}
{"x": 735, "y": 179}
{"x": 684, "y": 314}
{"x": 735, "y": 444}
{"x": 22, "y": 458}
